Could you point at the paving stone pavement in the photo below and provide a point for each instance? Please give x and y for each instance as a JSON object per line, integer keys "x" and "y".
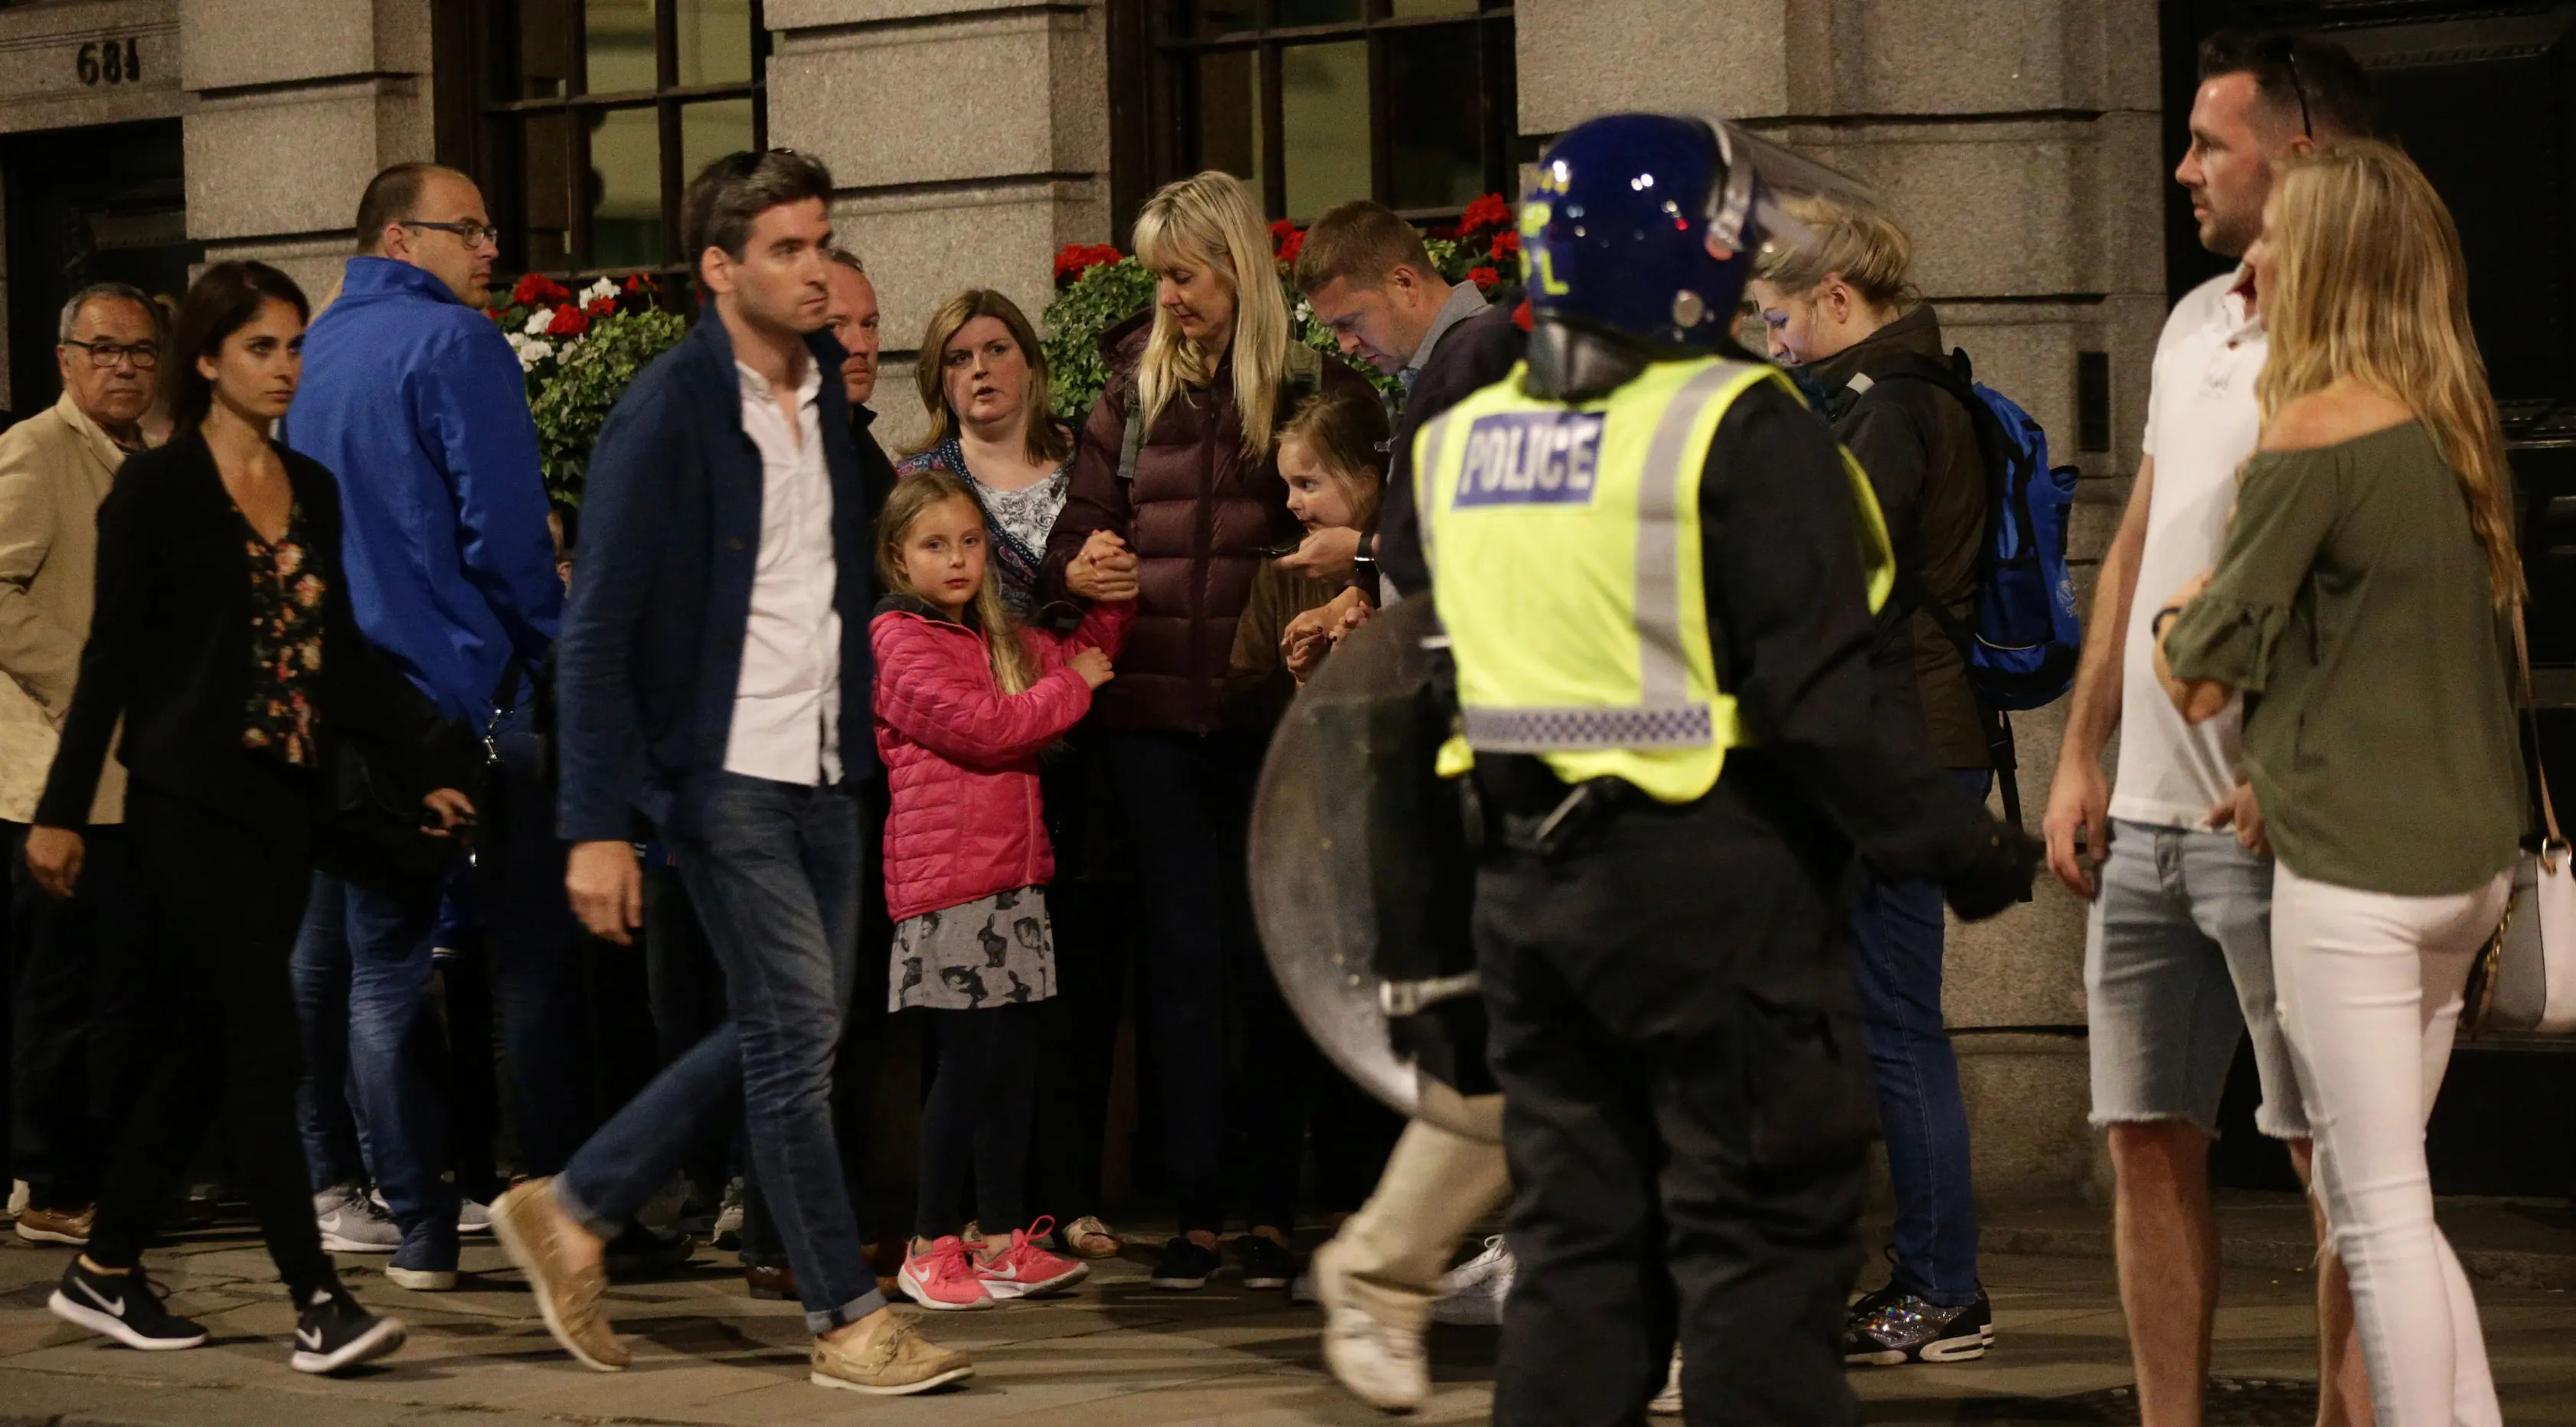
{"x": 1116, "y": 1352}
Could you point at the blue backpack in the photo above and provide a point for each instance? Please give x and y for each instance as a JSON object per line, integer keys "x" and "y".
{"x": 2022, "y": 646}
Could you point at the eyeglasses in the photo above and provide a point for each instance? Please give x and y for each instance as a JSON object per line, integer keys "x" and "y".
{"x": 468, "y": 232}
{"x": 104, "y": 355}
{"x": 2284, "y": 51}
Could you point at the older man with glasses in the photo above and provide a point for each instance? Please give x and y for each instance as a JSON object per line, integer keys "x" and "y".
{"x": 415, "y": 401}
{"x": 72, "y": 1060}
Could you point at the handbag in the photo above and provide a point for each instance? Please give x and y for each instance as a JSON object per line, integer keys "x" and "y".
{"x": 2525, "y": 979}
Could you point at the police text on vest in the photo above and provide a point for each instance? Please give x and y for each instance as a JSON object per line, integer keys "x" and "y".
{"x": 1530, "y": 458}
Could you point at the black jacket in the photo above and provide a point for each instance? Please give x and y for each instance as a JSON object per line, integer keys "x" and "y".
{"x": 1475, "y": 353}
{"x": 651, "y": 654}
{"x": 169, "y": 647}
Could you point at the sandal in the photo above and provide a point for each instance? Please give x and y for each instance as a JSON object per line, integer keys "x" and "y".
{"x": 1088, "y": 1238}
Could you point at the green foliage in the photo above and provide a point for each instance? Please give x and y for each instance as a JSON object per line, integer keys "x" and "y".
{"x": 1104, "y": 296}
{"x": 587, "y": 377}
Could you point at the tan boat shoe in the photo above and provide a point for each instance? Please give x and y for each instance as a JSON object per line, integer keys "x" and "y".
{"x": 524, "y": 1221}
{"x": 894, "y": 1362}
{"x": 1088, "y": 1238}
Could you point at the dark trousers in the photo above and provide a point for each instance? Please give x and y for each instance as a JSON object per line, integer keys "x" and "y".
{"x": 78, "y": 1048}
{"x": 977, "y": 1117}
{"x": 535, "y": 957}
{"x": 1078, "y": 1026}
{"x": 1897, "y": 935}
{"x": 226, "y": 891}
{"x": 1687, "y": 1111}
{"x": 1188, "y": 802}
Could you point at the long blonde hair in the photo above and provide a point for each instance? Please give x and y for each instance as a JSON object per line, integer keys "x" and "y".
{"x": 1013, "y": 670}
{"x": 1211, "y": 218}
{"x": 2369, "y": 283}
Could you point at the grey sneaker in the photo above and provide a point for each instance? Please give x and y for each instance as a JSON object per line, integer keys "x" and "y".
{"x": 1668, "y": 1403}
{"x": 1474, "y": 1291}
{"x": 353, "y": 1223}
{"x": 472, "y": 1217}
{"x": 1890, "y": 1327}
{"x": 728, "y": 1225}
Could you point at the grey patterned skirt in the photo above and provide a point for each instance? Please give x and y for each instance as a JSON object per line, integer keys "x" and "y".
{"x": 994, "y": 951}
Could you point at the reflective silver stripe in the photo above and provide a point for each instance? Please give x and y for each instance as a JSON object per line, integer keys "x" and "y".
{"x": 1663, "y": 666}
{"x": 1427, "y": 504}
{"x": 1684, "y": 725}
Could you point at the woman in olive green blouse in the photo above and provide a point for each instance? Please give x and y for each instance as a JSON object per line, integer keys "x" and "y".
{"x": 2363, "y": 606}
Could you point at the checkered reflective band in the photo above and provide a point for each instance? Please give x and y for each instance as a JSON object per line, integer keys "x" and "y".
{"x": 1531, "y": 458}
{"x": 1564, "y": 730}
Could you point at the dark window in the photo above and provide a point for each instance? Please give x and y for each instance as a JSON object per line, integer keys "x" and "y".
{"x": 1316, "y": 102}
{"x": 590, "y": 116}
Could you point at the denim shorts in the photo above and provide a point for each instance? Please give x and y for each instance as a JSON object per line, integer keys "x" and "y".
{"x": 2178, "y": 963}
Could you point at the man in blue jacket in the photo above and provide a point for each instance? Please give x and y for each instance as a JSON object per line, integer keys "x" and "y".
{"x": 715, "y": 678}
{"x": 415, "y": 401}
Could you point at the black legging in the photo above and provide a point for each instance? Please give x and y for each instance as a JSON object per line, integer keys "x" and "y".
{"x": 226, "y": 892}
{"x": 981, "y": 1098}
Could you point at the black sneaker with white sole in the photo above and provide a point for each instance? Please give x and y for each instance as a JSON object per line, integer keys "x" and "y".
{"x": 1267, "y": 1263}
{"x": 333, "y": 1333}
{"x": 1184, "y": 1265}
{"x": 1891, "y": 1326}
{"x": 122, "y": 1306}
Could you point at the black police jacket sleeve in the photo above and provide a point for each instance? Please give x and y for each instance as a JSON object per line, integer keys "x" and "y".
{"x": 1789, "y": 602}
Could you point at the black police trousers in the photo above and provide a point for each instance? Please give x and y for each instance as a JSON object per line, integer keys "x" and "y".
{"x": 1687, "y": 1107}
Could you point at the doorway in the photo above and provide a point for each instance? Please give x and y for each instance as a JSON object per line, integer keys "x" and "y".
{"x": 101, "y": 204}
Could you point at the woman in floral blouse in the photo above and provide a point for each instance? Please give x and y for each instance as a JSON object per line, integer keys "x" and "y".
{"x": 224, "y": 642}
{"x": 983, "y": 382}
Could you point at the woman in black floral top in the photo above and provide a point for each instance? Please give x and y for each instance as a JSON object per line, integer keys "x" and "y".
{"x": 285, "y": 642}
{"x": 223, "y": 640}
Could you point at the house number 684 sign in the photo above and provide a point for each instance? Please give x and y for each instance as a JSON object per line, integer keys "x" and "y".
{"x": 109, "y": 62}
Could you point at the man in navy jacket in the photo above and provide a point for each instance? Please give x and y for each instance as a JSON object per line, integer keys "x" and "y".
{"x": 714, "y": 679}
{"x": 415, "y": 401}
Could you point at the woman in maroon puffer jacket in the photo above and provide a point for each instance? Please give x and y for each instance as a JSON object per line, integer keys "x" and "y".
{"x": 965, "y": 702}
{"x": 1209, "y": 379}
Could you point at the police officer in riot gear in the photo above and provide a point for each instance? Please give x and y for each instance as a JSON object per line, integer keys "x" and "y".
{"x": 1657, "y": 572}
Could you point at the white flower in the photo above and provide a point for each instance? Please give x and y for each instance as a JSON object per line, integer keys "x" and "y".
{"x": 596, "y": 291}
{"x": 539, "y": 321}
{"x": 533, "y": 351}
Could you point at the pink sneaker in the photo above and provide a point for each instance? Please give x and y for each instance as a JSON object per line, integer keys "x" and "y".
{"x": 1025, "y": 1270}
{"x": 944, "y": 1278}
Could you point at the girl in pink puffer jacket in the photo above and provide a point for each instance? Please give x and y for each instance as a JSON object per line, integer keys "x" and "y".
{"x": 966, "y": 700}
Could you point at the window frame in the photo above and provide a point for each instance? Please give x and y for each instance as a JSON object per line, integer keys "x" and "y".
{"x": 481, "y": 117}
{"x": 1159, "y": 145}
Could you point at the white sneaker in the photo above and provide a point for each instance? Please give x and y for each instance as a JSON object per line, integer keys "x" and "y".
{"x": 729, "y": 1217}
{"x": 1380, "y": 1365}
{"x": 1474, "y": 1291}
{"x": 352, "y": 1222}
{"x": 1668, "y": 1403}
{"x": 17, "y": 1197}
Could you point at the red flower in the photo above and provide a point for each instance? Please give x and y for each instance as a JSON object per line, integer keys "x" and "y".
{"x": 1506, "y": 243}
{"x": 1489, "y": 211}
{"x": 1289, "y": 250}
{"x": 525, "y": 294}
{"x": 1279, "y": 232}
{"x": 638, "y": 282}
{"x": 599, "y": 307}
{"x": 1483, "y": 277}
{"x": 1075, "y": 259}
{"x": 568, "y": 322}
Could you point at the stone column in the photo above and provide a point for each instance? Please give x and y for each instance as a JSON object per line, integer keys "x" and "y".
{"x": 970, "y": 141}
{"x": 2017, "y": 143}
{"x": 297, "y": 107}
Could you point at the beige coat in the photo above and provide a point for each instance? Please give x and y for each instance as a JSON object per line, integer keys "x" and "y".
{"x": 55, "y": 468}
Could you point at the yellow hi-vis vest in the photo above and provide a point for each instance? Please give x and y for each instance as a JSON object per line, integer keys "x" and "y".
{"x": 1565, "y": 547}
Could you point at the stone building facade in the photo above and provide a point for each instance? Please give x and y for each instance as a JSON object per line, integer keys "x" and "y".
{"x": 2017, "y": 140}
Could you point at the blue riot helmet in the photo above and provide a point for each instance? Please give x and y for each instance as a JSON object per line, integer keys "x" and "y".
{"x": 1643, "y": 228}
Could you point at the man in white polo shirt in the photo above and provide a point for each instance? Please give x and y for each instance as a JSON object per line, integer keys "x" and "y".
{"x": 2178, "y": 959}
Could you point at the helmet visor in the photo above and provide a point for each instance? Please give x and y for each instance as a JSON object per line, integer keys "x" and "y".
{"x": 1746, "y": 211}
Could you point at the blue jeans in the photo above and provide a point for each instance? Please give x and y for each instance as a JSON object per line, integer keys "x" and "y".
{"x": 361, "y": 971}
{"x": 774, "y": 870}
{"x": 1896, "y": 967}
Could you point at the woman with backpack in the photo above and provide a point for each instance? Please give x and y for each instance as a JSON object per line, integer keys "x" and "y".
{"x": 1177, "y": 462}
{"x": 1840, "y": 312}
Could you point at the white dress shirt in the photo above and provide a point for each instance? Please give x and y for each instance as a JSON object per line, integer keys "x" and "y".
{"x": 787, "y": 703}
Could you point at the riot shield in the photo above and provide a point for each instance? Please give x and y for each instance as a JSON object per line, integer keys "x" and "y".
{"x": 1342, "y": 821}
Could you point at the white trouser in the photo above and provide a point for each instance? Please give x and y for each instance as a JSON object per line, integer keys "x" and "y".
{"x": 2363, "y": 976}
